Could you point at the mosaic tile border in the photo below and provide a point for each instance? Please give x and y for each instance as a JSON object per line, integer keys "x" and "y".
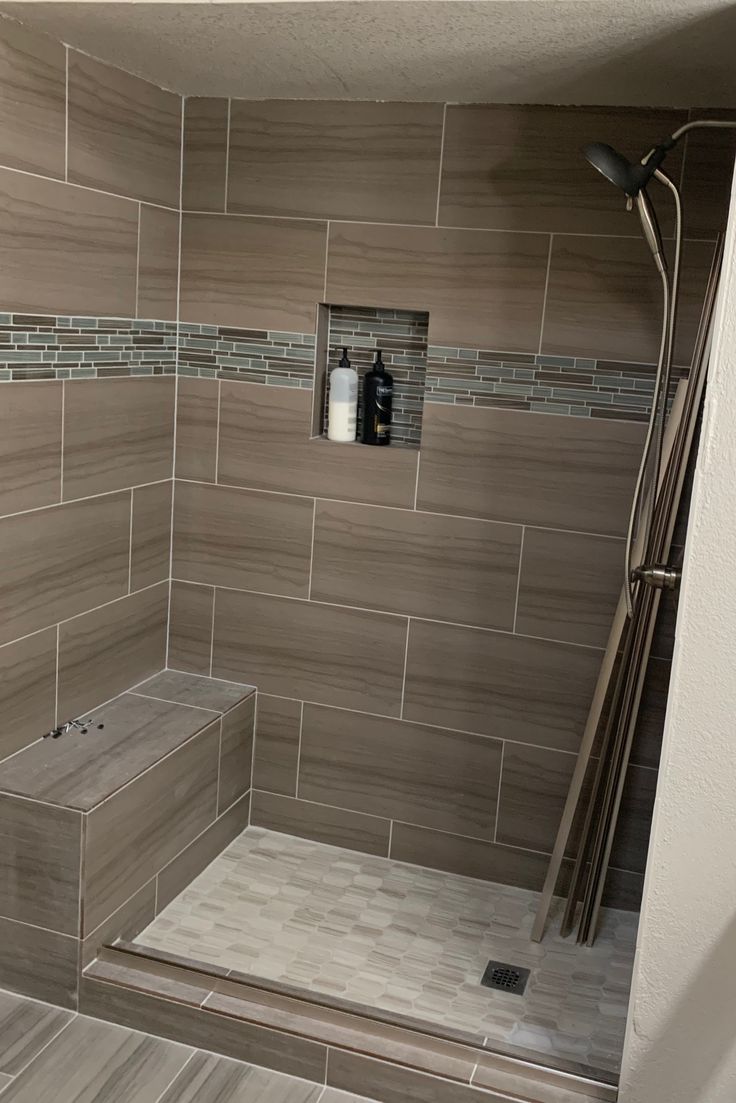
{"x": 568, "y": 385}
{"x": 36, "y": 346}
{"x": 252, "y": 355}
{"x": 402, "y": 337}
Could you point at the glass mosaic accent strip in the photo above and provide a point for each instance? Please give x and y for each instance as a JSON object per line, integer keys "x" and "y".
{"x": 402, "y": 337}
{"x": 35, "y": 346}
{"x": 250, "y": 355}
{"x": 541, "y": 384}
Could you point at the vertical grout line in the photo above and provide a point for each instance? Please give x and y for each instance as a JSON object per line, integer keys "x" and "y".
{"x": 138, "y": 260}
{"x": 311, "y": 552}
{"x": 61, "y": 456}
{"x": 66, "y": 115}
{"x": 498, "y": 792}
{"x": 212, "y": 628}
{"x": 327, "y": 255}
{"x": 518, "y": 577}
{"x": 439, "y": 175}
{"x": 219, "y": 768}
{"x": 217, "y": 431}
{"x": 56, "y": 688}
{"x": 546, "y": 289}
{"x": 227, "y": 154}
{"x": 80, "y": 908}
{"x": 130, "y": 540}
{"x": 176, "y": 382}
{"x": 253, "y": 749}
{"x": 299, "y": 751}
{"x": 390, "y": 837}
{"x": 406, "y": 659}
{"x": 416, "y": 482}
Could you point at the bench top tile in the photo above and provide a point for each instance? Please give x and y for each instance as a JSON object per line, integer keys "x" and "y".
{"x": 194, "y": 689}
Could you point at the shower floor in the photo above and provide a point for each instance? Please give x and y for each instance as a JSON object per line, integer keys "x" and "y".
{"x": 403, "y": 939}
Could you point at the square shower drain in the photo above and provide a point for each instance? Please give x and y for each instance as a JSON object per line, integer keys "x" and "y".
{"x": 505, "y": 978}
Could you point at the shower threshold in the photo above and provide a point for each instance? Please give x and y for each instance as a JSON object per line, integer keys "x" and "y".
{"x": 403, "y": 944}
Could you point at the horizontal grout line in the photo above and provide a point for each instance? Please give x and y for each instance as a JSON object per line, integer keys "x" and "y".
{"x": 89, "y": 188}
{"x": 86, "y": 498}
{"x": 38, "y": 927}
{"x": 168, "y": 701}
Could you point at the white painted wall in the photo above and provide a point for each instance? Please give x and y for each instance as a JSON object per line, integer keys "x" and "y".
{"x": 681, "y": 1037}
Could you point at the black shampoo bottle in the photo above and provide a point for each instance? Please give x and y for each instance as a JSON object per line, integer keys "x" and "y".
{"x": 378, "y": 393}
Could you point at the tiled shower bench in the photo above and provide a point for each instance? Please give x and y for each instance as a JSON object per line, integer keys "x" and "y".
{"x": 99, "y": 829}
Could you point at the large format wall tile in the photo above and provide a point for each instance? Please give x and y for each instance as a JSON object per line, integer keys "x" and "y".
{"x": 150, "y": 535}
{"x": 423, "y": 775}
{"x": 334, "y": 826}
{"x": 604, "y": 299}
{"x": 32, "y": 101}
{"x": 39, "y": 864}
{"x": 496, "y": 684}
{"x": 30, "y": 446}
{"x": 481, "y": 289}
{"x": 62, "y": 560}
{"x": 264, "y": 443}
{"x": 196, "y": 428}
{"x": 276, "y": 756}
{"x": 446, "y": 568}
{"x": 236, "y": 753}
{"x": 323, "y": 653}
{"x": 249, "y": 540}
{"x": 569, "y": 586}
{"x": 124, "y": 133}
{"x": 521, "y": 167}
{"x": 707, "y": 175}
{"x": 158, "y": 263}
{"x": 27, "y": 690}
{"x": 117, "y": 432}
{"x": 39, "y": 963}
{"x": 190, "y": 627}
{"x": 103, "y": 652}
{"x": 66, "y": 250}
{"x": 334, "y": 159}
{"x": 143, "y": 826}
{"x": 558, "y": 472}
{"x": 205, "y": 154}
{"x": 262, "y": 273}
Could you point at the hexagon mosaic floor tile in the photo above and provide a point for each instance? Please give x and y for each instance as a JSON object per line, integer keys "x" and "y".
{"x": 404, "y": 939}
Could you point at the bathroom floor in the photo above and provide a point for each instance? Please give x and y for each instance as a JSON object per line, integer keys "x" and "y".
{"x": 404, "y": 939}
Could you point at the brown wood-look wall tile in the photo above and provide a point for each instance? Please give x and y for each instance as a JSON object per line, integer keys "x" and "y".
{"x": 196, "y": 428}
{"x": 520, "y": 166}
{"x": 124, "y": 133}
{"x": 190, "y": 627}
{"x": 135, "y": 833}
{"x": 262, "y": 273}
{"x": 442, "y": 779}
{"x": 62, "y": 560}
{"x": 39, "y": 964}
{"x": 104, "y": 652}
{"x": 32, "y": 101}
{"x": 128, "y": 921}
{"x": 30, "y": 446}
{"x": 276, "y": 757}
{"x": 334, "y": 826}
{"x": 27, "y": 690}
{"x": 375, "y": 162}
{"x": 647, "y": 745}
{"x": 66, "y": 250}
{"x": 117, "y": 432}
{"x": 150, "y": 535}
{"x": 39, "y": 864}
{"x": 391, "y": 1083}
{"x": 492, "y": 683}
{"x": 236, "y": 753}
{"x": 604, "y": 299}
{"x": 534, "y": 786}
{"x": 422, "y": 564}
{"x": 190, "y": 862}
{"x": 205, "y": 154}
{"x": 556, "y": 472}
{"x": 264, "y": 444}
{"x": 323, "y": 653}
{"x": 158, "y": 263}
{"x": 470, "y": 857}
{"x": 707, "y": 176}
{"x": 481, "y": 289}
{"x": 569, "y": 586}
{"x": 250, "y": 540}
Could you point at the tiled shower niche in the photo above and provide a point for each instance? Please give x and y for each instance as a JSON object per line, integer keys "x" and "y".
{"x": 401, "y": 335}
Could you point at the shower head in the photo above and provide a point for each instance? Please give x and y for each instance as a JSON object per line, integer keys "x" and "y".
{"x": 631, "y": 178}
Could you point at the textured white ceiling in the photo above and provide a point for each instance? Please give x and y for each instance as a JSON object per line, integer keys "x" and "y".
{"x": 639, "y": 52}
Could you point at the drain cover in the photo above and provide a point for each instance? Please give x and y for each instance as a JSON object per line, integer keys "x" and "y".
{"x": 505, "y": 977}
